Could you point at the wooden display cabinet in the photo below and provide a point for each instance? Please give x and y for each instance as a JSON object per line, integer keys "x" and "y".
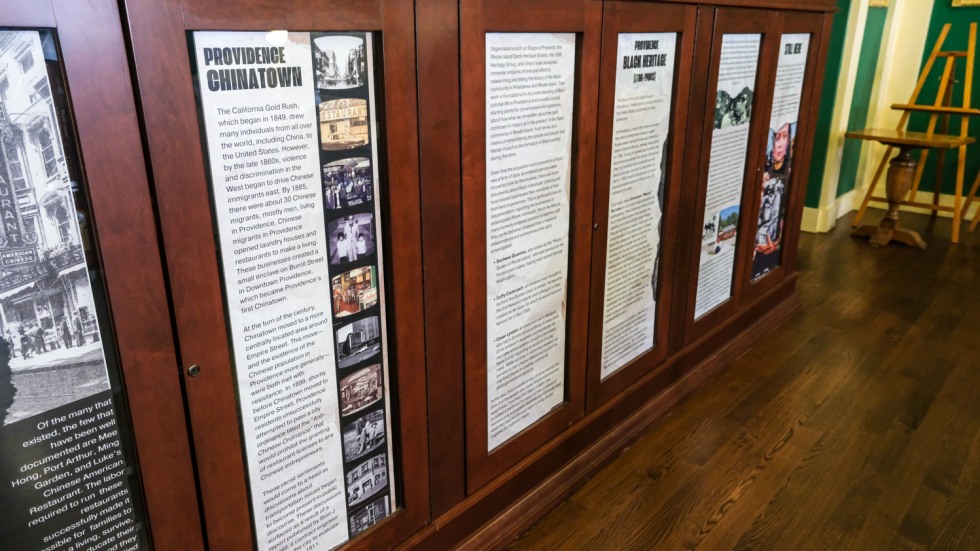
{"x": 430, "y": 99}
{"x": 486, "y": 498}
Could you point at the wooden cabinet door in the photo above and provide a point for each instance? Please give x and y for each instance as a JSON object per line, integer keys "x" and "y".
{"x": 525, "y": 225}
{"x": 284, "y": 146}
{"x": 777, "y": 207}
{"x": 732, "y": 65}
{"x": 95, "y": 431}
{"x": 647, "y": 50}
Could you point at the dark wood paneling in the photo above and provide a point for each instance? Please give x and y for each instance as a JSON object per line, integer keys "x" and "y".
{"x": 27, "y": 13}
{"x": 627, "y": 17}
{"x": 438, "y": 43}
{"x": 688, "y": 238}
{"x": 170, "y": 117}
{"x": 477, "y": 18}
{"x": 104, "y": 116}
{"x": 158, "y": 30}
{"x": 802, "y": 5}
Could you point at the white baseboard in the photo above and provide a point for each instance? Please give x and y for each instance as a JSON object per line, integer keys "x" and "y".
{"x": 823, "y": 219}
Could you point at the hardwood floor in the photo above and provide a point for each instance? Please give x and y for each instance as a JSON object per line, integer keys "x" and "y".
{"x": 855, "y": 426}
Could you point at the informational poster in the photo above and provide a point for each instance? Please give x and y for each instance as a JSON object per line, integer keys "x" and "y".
{"x": 67, "y": 477}
{"x": 726, "y": 169}
{"x": 787, "y": 95}
{"x": 530, "y": 88}
{"x": 644, "y": 86}
{"x": 291, "y": 135}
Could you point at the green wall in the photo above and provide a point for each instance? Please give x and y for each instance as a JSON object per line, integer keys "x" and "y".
{"x": 942, "y": 13}
{"x": 828, "y": 97}
{"x": 874, "y": 31}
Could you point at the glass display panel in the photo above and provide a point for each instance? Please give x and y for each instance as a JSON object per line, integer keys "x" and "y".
{"x": 530, "y": 89}
{"x": 638, "y": 173}
{"x": 787, "y": 95}
{"x": 291, "y": 131}
{"x": 726, "y": 169}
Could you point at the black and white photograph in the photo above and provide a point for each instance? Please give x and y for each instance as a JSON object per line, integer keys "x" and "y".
{"x": 340, "y": 62}
{"x": 361, "y": 389}
{"x": 344, "y": 124}
{"x": 47, "y": 307}
{"x": 364, "y": 435}
{"x": 347, "y": 183}
{"x": 354, "y": 291}
{"x": 710, "y": 230}
{"x": 358, "y": 341}
{"x": 366, "y": 517}
{"x": 351, "y": 238}
{"x": 367, "y": 479}
{"x": 733, "y": 111}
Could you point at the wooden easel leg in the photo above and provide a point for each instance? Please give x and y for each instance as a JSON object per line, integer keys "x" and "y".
{"x": 958, "y": 196}
{"x": 871, "y": 189}
{"x": 937, "y": 185}
{"x": 970, "y": 198}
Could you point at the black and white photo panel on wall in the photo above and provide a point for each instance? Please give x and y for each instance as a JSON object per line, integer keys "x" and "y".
{"x": 67, "y": 472}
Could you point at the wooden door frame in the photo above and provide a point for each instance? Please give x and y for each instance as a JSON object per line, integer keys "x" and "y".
{"x": 158, "y": 30}
{"x": 96, "y": 69}
{"x": 635, "y": 17}
{"x": 789, "y": 23}
{"x": 476, "y": 20}
{"x": 714, "y": 23}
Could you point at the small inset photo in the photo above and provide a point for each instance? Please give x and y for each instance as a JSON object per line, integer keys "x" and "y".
{"x": 364, "y": 518}
{"x": 351, "y": 238}
{"x": 354, "y": 291}
{"x": 367, "y": 479}
{"x": 347, "y": 183}
{"x": 728, "y": 223}
{"x": 722, "y": 238}
{"x": 343, "y": 124}
{"x": 358, "y": 341}
{"x": 710, "y": 230}
{"x": 733, "y": 110}
{"x": 364, "y": 435}
{"x": 361, "y": 389}
{"x": 340, "y": 62}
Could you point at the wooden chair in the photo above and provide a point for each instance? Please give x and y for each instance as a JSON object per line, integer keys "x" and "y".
{"x": 905, "y": 173}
